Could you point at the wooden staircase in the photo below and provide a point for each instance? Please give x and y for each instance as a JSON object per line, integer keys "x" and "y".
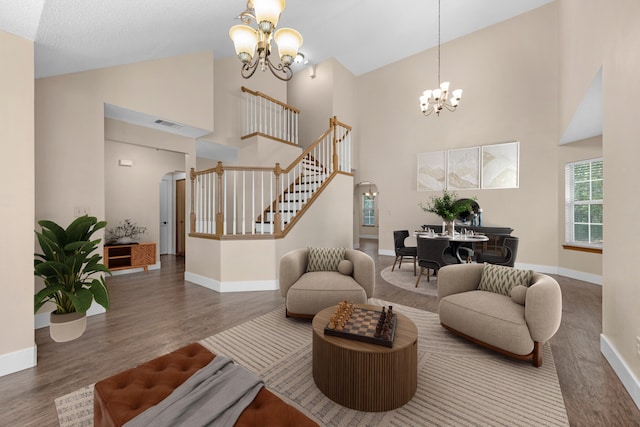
{"x": 295, "y": 197}
{"x": 243, "y": 201}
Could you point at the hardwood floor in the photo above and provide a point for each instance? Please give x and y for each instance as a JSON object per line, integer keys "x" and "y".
{"x": 156, "y": 312}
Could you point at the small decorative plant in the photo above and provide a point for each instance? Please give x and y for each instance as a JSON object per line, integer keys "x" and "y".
{"x": 67, "y": 264}
{"x": 124, "y": 233}
{"x": 447, "y": 207}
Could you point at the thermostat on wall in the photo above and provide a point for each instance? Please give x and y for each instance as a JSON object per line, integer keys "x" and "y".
{"x": 125, "y": 163}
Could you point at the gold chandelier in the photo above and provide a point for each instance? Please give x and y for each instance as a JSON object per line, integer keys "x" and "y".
{"x": 253, "y": 46}
{"x": 436, "y": 99}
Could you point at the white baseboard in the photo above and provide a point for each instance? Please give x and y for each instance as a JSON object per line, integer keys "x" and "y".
{"x": 18, "y": 360}
{"x": 622, "y": 370}
{"x": 239, "y": 286}
{"x": 369, "y": 236}
{"x": 546, "y": 269}
{"x": 155, "y": 266}
{"x": 580, "y": 275}
{"x": 42, "y": 319}
{"x": 573, "y": 274}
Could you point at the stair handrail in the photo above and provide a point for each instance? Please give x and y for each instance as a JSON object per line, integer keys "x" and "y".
{"x": 269, "y": 117}
{"x": 330, "y": 153}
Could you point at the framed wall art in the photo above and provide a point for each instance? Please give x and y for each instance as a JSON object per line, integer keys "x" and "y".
{"x": 500, "y": 165}
{"x": 463, "y": 169}
{"x": 431, "y": 171}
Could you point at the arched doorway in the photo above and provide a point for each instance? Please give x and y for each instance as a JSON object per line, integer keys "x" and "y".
{"x": 366, "y": 210}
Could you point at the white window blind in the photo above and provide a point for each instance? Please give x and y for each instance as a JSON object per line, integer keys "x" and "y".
{"x": 584, "y": 203}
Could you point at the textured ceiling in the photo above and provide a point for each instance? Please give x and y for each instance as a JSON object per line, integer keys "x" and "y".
{"x": 78, "y": 35}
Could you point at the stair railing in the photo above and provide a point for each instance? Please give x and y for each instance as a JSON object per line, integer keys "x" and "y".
{"x": 263, "y": 201}
{"x": 266, "y": 116}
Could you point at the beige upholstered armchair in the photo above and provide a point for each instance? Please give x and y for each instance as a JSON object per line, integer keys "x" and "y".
{"x": 515, "y": 321}
{"x": 309, "y": 286}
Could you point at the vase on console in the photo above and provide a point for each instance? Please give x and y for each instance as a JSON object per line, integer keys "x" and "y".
{"x": 451, "y": 227}
{"x": 448, "y": 207}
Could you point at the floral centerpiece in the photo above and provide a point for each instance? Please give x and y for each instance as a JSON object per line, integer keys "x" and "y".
{"x": 124, "y": 233}
{"x": 448, "y": 207}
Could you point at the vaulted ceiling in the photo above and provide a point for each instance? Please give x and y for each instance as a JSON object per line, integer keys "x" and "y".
{"x": 78, "y": 35}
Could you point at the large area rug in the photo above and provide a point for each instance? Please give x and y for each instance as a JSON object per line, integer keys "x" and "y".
{"x": 404, "y": 278}
{"x": 459, "y": 384}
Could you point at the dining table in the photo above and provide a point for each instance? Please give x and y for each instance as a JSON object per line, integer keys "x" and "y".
{"x": 456, "y": 241}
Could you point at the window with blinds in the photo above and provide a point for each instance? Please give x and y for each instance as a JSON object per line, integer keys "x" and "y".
{"x": 583, "y": 203}
{"x": 368, "y": 210}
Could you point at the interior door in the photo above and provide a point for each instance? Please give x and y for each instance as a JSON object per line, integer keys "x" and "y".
{"x": 165, "y": 186}
{"x": 180, "y": 217}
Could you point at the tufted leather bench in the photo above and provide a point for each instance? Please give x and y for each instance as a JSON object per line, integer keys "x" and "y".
{"x": 121, "y": 397}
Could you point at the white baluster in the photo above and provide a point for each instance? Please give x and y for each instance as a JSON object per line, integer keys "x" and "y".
{"x": 253, "y": 202}
{"x": 206, "y": 204}
{"x": 273, "y": 223}
{"x": 224, "y": 202}
{"x": 262, "y": 200}
{"x": 244, "y": 204}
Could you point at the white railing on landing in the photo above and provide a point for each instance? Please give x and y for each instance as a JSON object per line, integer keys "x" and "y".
{"x": 266, "y": 116}
{"x": 259, "y": 201}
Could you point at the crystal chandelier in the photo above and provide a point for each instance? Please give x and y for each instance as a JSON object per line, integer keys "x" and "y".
{"x": 253, "y": 46}
{"x": 436, "y": 99}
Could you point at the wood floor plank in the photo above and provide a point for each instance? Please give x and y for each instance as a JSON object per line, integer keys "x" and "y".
{"x": 157, "y": 312}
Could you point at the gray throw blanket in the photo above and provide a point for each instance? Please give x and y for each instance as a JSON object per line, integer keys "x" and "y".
{"x": 216, "y": 395}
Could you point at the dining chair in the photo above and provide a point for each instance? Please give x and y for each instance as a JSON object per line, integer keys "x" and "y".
{"x": 508, "y": 256}
{"x": 403, "y": 251}
{"x": 433, "y": 253}
{"x": 464, "y": 252}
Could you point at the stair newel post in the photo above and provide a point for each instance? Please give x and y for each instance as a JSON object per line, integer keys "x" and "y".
{"x": 277, "y": 217}
{"x": 220, "y": 190}
{"x": 333, "y": 124}
{"x": 192, "y": 215}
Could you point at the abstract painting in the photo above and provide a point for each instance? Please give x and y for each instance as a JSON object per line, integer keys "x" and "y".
{"x": 431, "y": 171}
{"x": 463, "y": 169}
{"x": 500, "y": 165}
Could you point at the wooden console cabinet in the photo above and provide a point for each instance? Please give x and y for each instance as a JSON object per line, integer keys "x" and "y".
{"x": 120, "y": 257}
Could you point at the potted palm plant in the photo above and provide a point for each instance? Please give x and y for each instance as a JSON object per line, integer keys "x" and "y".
{"x": 72, "y": 274}
{"x": 448, "y": 207}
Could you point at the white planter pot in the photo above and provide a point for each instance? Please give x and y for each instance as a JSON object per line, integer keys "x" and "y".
{"x": 67, "y": 327}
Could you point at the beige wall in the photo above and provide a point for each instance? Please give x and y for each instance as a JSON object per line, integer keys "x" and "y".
{"x": 584, "y": 39}
{"x": 17, "y": 350}
{"x": 134, "y": 192}
{"x": 229, "y": 100}
{"x": 606, "y": 33}
{"x": 70, "y": 125}
{"x": 621, "y": 290}
{"x": 265, "y": 152}
{"x": 345, "y": 101}
{"x": 509, "y": 76}
{"x": 313, "y": 97}
{"x": 222, "y": 264}
{"x": 331, "y": 93}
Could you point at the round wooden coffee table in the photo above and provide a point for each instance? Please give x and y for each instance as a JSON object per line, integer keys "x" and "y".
{"x": 363, "y": 376}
